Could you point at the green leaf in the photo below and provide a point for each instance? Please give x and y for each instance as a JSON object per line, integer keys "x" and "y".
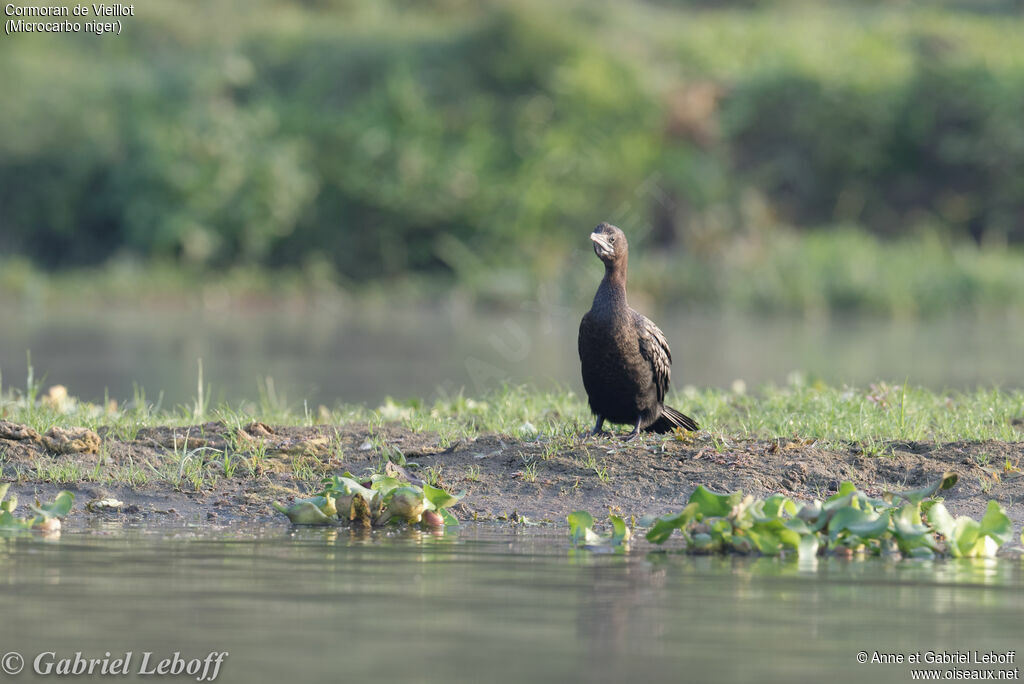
{"x": 714, "y": 504}
{"x": 808, "y": 547}
{"x": 437, "y": 498}
{"x": 845, "y": 489}
{"x": 856, "y": 522}
{"x": 579, "y": 523}
{"x": 703, "y": 542}
{"x": 385, "y": 483}
{"x": 4, "y": 486}
{"x": 345, "y": 486}
{"x": 59, "y": 508}
{"x": 449, "y": 519}
{"x": 908, "y": 522}
{"x": 620, "y": 532}
{"x": 765, "y": 539}
{"x": 9, "y": 523}
{"x": 9, "y": 504}
{"x": 996, "y": 524}
{"x": 964, "y": 537}
{"x": 581, "y": 529}
{"x": 666, "y": 524}
{"x": 948, "y": 479}
{"x": 809, "y": 512}
{"x": 777, "y": 504}
{"x": 941, "y": 521}
{"x": 303, "y": 512}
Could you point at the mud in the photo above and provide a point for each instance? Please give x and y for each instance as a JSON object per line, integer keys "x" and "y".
{"x": 504, "y": 477}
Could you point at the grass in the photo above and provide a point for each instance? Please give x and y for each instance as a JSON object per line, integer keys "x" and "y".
{"x": 870, "y": 416}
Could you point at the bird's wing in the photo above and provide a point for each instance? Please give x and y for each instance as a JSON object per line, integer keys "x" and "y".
{"x": 584, "y": 324}
{"x": 654, "y": 348}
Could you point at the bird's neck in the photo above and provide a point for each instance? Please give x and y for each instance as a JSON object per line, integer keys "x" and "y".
{"x": 612, "y": 290}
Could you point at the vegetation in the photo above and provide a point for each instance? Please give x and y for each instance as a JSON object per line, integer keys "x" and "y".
{"x": 910, "y": 523}
{"x": 348, "y": 142}
{"x": 46, "y": 517}
{"x": 381, "y": 500}
{"x": 802, "y": 409}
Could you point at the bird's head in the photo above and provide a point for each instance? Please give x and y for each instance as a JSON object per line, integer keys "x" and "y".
{"x": 609, "y": 243}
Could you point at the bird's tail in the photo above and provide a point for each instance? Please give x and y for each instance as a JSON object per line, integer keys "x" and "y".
{"x": 671, "y": 419}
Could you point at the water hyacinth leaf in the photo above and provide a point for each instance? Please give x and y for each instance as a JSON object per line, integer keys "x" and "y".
{"x": 798, "y": 526}
{"x": 405, "y": 503}
{"x": 940, "y": 520}
{"x": 871, "y": 527}
{"x": 59, "y": 508}
{"x": 996, "y": 524}
{"x": 908, "y": 522}
{"x": 579, "y": 523}
{"x": 947, "y": 480}
{"x": 437, "y": 498}
{"x": 9, "y": 504}
{"x": 3, "y": 489}
{"x": 721, "y": 529}
{"x": 702, "y": 542}
{"x": 846, "y": 517}
{"x": 667, "y": 524}
{"x": 449, "y": 519}
{"x": 808, "y": 547}
{"x": 836, "y": 502}
{"x": 9, "y": 523}
{"x": 777, "y": 504}
{"x": 809, "y": 512}
{"x": 711, "y": 503}
{"x": 770, "y": 535}
{"x": 345, "y": 486}
{"x": 304, "y": 512}
{"x": 845, "y": 489}
{"x": 620, "y": 532}
{"x": 765, "y": 540}
{"x": 385, "y": 483}
{"x": 964, "y": 537}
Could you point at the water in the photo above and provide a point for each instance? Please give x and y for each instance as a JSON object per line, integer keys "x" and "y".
{"x": 336, "y": 356}
{"x": 486, "y": 604}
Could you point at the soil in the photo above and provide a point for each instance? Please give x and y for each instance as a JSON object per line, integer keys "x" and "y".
{"x": 504, "y": 477}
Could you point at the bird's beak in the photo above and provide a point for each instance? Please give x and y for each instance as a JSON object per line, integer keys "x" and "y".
{"x": 602, "y": 246}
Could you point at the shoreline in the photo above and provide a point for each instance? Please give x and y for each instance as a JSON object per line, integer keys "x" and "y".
{"x": 214, "y": 473}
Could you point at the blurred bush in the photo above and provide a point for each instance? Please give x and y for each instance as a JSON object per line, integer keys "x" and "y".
{"x": 377, "y": 139}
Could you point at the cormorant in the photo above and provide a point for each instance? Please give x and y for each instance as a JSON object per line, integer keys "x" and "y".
{"x": 625, "y": 358}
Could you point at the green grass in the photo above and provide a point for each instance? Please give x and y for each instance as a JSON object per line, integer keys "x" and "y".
{"x": 868, "y": 416}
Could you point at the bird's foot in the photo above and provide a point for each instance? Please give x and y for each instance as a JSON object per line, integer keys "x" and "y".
{"x": 597, "y": 433}
{"x": 634, "y": 434}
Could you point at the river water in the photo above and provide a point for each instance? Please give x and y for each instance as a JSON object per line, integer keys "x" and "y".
{"x": 330, "y": 357}
{"x": 484, "y": 604}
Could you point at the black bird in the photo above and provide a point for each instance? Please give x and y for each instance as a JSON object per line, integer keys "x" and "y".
{"x": 625, "y": 358}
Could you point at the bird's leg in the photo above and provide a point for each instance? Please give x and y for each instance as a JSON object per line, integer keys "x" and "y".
{"x": 635, "y": 433}
{"x": 598, "y": 427}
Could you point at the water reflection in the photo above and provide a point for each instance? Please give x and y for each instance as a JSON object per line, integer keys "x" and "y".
{"x": 488, "y": 604}
{"x": 327, "y": 357}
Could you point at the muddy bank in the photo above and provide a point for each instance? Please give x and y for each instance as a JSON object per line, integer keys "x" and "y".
{"x": 215, "y": 473}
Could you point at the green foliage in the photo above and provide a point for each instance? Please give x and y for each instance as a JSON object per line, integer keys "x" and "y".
{"x": 47, "y": 516}
{"x": 364, "y": 144}
{"x": 387, "y": 500}
{"x": 849, "y": 521}
{"x": 581, "y": 531}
